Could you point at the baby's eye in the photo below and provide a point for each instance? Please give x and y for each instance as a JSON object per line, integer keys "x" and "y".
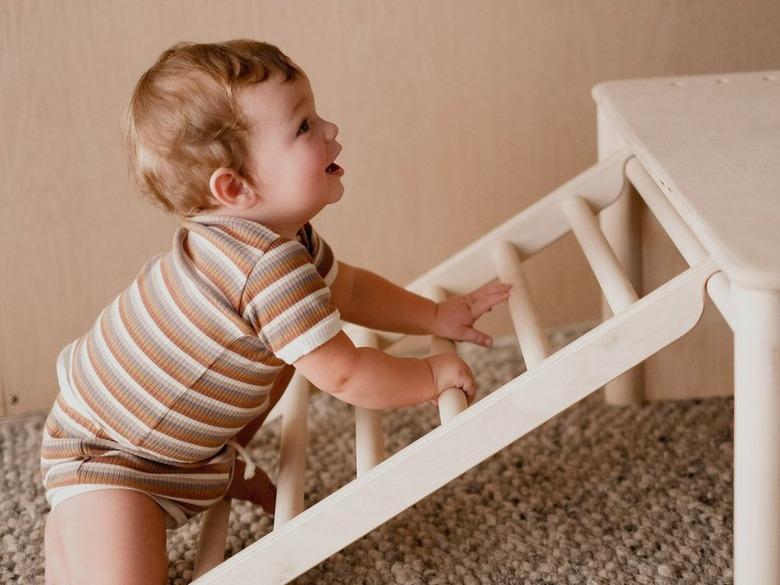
{"x": 304, "y": 127}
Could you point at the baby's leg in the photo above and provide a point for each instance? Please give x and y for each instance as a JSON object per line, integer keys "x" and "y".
{"x": 112, "y": 536}
{"x": 53, "y": 555}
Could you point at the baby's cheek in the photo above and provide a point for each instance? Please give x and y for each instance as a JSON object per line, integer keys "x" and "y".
{"x": 304, "y": 170}
{"x": 319, "y": 164}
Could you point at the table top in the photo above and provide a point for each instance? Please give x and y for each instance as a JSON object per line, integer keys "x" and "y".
{"x": 712, "y": 144}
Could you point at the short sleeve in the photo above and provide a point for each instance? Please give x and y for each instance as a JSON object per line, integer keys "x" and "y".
{"x": 287, "y": 301}
{"x": 321, "y": 252}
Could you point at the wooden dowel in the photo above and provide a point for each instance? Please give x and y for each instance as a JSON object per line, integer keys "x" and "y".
{"x": 292, "y": 452}
{"x": 213, "y": 535}
{"x": 453, "y": 400}
{"x": 369, "y": 438}
{"x": 614, "y": 281}
{"x": 532, "y": 340}
{"x": 719, "y": 286}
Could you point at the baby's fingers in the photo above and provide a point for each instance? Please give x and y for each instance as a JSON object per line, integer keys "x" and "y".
{"x": 469, "y": 387}
{"x": 483, "y": 299}
{"x": 492, "y": 288}
{"x": 477, "y": 337}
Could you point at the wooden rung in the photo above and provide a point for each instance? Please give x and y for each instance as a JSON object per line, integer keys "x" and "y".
{"x": 213, "y": 535}
{"x": 719, "y": 286}
{"x": 614, "y": 281}
{"x": 369, "y": 438}
{"x": 292, "y": 452}
{"x": 451, "y": 401}
{"x": 532, "y": 340}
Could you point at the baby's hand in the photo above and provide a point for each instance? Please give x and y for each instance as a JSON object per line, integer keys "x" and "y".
{"x": 449, "y": 371}
{"x": 456, "y": 315}
{"x": 259, "y": 489}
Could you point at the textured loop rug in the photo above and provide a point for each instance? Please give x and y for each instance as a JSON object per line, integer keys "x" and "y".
{"x": 598, "y": 494}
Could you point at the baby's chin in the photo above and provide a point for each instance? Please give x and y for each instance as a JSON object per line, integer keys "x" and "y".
{"x": 336, "y": 195}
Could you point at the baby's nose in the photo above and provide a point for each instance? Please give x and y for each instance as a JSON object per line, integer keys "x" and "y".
{"x": 333, "y": 131}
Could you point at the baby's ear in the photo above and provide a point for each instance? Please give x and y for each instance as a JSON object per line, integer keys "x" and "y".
{"x": 230, "y": 190}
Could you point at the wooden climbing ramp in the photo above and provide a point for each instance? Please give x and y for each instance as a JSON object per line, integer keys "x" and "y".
{"x": 384, "y": 487}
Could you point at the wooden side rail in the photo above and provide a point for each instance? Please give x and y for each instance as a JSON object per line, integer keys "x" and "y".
{"x": 719, "y": 286}
{"x": 530, "y": 336}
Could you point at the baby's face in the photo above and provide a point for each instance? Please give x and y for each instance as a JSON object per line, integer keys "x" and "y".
{"x": 291, "y": 153}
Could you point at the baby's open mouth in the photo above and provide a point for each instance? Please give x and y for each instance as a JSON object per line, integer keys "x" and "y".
{"x": 334, "y": 169}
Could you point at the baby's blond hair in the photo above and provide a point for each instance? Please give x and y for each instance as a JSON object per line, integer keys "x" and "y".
{"x": 183, "y": 121}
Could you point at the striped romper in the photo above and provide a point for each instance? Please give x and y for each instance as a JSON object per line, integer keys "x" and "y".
{"x": 153, "y": 395}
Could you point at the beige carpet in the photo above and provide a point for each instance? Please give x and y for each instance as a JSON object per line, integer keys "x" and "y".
{"x": 597, "y": 495}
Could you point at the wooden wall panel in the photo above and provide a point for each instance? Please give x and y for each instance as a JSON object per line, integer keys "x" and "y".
{"x": 454, "y": 115}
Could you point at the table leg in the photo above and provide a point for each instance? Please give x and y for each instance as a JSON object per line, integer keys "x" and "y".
{"x": 621, "y": 224}
{"x": 756, "y": 436}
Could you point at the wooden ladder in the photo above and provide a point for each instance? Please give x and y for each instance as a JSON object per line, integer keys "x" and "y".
{"x": 384, "y": 487}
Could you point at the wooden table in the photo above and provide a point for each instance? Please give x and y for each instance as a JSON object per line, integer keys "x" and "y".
{"x": 711, "y": 143}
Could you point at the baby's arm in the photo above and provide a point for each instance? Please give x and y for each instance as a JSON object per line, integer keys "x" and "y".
{"x": 370, "y": 378}
{"x": 367, "y": 299}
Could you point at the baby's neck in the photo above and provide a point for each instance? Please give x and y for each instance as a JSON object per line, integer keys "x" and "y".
{"x": 289, "y": 230}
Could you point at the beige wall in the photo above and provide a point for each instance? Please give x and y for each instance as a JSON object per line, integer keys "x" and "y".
{"x": 453, "y": 116}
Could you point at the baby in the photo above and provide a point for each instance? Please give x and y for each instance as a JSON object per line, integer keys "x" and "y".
{"x": 159, "y": 398}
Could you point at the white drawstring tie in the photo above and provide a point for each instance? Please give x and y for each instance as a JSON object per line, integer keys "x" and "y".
{"x": 249, "y": 470}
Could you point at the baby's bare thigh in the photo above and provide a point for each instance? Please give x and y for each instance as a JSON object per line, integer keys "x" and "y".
{"x": 112, "y": 536}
